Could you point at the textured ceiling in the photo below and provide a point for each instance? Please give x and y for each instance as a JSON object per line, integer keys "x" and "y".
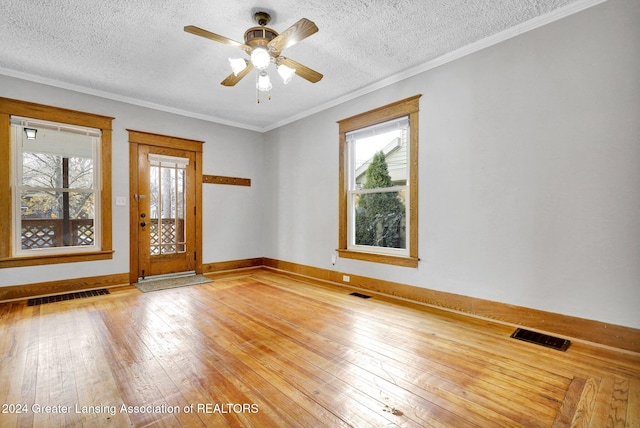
{"x": 137, "y": 50}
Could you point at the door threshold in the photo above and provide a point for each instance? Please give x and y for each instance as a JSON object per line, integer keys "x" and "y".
{"x": 167, "y": 276}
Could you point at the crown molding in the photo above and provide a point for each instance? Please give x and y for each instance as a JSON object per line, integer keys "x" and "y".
{"x": 124, "y": 99}
{"x": 479, "y": 45}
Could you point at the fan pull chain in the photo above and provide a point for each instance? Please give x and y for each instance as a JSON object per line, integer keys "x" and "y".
{"x": 258, "y": 100}
{"x": 257, "y": 90}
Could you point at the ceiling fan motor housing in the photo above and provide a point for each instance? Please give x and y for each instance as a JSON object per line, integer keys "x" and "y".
{"x": 259, "y": 36}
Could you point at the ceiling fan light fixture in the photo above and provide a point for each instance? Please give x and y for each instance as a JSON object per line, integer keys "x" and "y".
{"x": 264, "y": 82}
{"x": 237, "y": 65}
{"x": 286, "y": 73}
{"x": 264, "y": 46}
{"x": 260, "y": 58}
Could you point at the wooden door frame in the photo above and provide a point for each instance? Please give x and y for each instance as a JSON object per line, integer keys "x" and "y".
{"x": 137, "y": 138}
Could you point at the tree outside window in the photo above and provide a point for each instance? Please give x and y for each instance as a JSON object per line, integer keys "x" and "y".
{"x": 380, "y": 217}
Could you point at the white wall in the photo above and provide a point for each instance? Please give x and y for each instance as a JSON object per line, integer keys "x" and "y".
{"x": 529, "y": 172}
{"x": 232, "y": 226}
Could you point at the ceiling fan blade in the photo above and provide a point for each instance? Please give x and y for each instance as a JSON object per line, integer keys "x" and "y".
{"x": 232, "y": 79}
{"x": 292, "y": 35}
{"x": 301, "y": 70}
{"x": 216, "y": 37}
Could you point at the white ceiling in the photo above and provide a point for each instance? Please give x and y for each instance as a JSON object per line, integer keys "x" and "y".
{"x": 136, "y": 51}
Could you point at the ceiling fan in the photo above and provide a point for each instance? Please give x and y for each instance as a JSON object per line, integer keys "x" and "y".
{"x": 264, "y": 47}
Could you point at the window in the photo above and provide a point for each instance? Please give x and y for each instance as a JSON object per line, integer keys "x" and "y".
{"x": 378, "y": 185}
{"x": 56, "y": 193}
{"x": 56, "y": 173}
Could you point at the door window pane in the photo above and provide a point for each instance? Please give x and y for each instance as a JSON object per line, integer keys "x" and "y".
{"x": 167, "y": 177}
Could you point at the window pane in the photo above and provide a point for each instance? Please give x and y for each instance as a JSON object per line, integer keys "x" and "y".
{"x": 41, "y": 170}
{"x": 167, "y": 231}
{"x": 154, "y": 186}
{"x": 81, "y": 205}
{"x": 56, "y": 219}
{"x": 53, "y": 171}
{"x": 56, "y": 204}
{"x": 380, "y": 156}
{"x": 380, "y": 219}
{"x": 180, "y": 223}
{"x": 168, "y": 193}
{"x": 38, "y": 204}
{"x": 80, "y": 173}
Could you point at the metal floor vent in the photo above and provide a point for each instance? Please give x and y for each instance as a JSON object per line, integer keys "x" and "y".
{"x": 541, "y": 339}
{"x": 362, "y": 296}
{"x": 70, "y": 296}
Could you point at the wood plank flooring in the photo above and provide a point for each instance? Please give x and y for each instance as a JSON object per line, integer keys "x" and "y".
{"x": 264, "y": 349}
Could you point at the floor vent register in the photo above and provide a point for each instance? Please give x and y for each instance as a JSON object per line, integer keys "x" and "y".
{"x": 541, "y": 339}
{"x": 360, "y": 295}
{"x": 69, "y": 296}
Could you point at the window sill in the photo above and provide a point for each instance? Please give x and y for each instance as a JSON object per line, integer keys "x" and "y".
{"x": 54, "y": 259}
{"x": 379, "y": 258}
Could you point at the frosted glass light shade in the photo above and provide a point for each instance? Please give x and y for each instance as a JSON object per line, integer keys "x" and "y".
{"x": 237, "y": 65}
{"x": 260, "y": 58}
{"x": 264, "y": 83}
{"x": 286, "y": 73}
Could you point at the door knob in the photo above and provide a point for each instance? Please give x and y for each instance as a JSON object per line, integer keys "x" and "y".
{"x": 143, "y": 224}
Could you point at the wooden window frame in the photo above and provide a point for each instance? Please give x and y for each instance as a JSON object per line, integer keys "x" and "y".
{"x": 10, "y": 107}
{"x": 406, "y": 107}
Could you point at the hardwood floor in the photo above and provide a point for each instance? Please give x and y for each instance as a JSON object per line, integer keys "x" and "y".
{"x": 263, "y": 349}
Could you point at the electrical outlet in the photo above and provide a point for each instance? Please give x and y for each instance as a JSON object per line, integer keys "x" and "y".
{"x": 346, "y": 278}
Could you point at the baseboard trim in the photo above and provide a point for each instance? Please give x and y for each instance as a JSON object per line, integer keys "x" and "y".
{"x": 217, "y": 267}
{"x": 610, "y": 335}
{"x": 50, "y": 288}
